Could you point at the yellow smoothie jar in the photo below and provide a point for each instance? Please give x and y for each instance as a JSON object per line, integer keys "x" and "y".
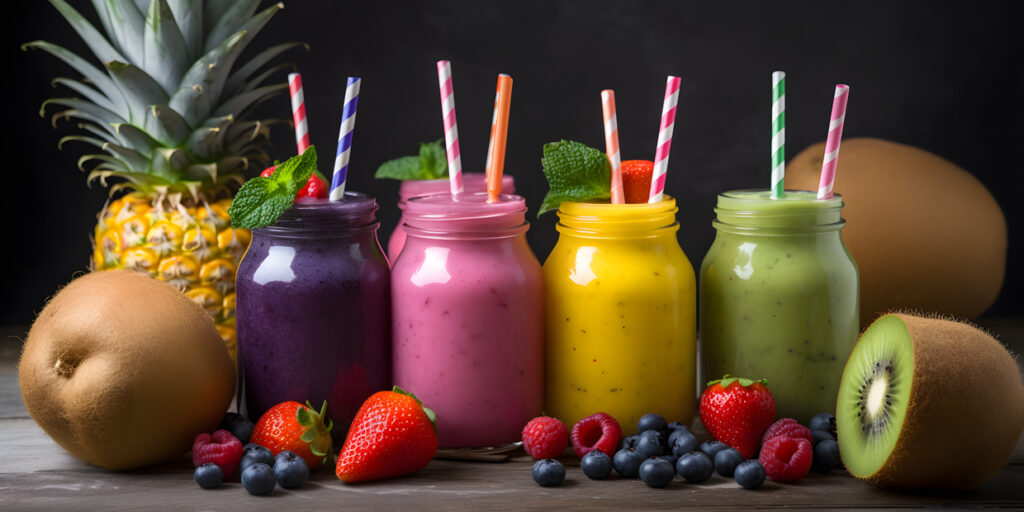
{"x": 620, "y": 323}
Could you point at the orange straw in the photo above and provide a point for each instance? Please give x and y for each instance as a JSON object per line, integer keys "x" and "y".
{"x": 611, "y": 143}
{"x": 499, "y": 136}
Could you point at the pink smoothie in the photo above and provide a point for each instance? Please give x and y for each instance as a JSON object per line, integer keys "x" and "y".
{"x": 472, "y": 181}
{"x": 467, "y": 317}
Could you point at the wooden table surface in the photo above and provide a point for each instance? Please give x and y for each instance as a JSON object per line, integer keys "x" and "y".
{"x": 36, "y": 474}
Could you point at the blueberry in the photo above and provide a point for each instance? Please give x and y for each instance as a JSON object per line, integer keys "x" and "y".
{"x": 668, "y": 457}
{"x": 727, "y": 460}
{"x": 749, "y": 474}
{"x": 675, "y": 425}
{"x": 238, "y": 425}
{"x": 651, "y": 421}
{"x": 253, "y": 453}
{"x": 208, "y": 475}
{"x": 596, "y": 464}
{"x": 650, "y": 444}
{"x": 627, "y": 462}
{"x": 821, "y": 435}
{"x": 822, "y": 421}
{"x": 695, "y": 467}
{"x": 826, "y": 456}
{"x": 656, "y": 472}
{"x": 712, "y": 447}
{"x": 674, "y": 434}
{"x": 685, "y": 443}
{"x": 290, "y": 470}
{"x": 548, "y": 472}
{"x": 629, "y": 442}
{"x": 258, "y": 479}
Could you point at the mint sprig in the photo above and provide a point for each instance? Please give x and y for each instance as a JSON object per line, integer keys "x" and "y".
{"x": 430, "y": 164}
{"x": 575, "y": 172}
{"x": 262, "y": 200}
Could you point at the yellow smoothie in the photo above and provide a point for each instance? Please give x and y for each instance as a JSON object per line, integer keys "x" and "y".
{"x": 620, "y": 324}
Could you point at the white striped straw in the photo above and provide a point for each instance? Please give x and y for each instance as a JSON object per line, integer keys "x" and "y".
{"x": 668, "y": 125}
{"x": 348, "y": 125}
{"x": 299, "y": 112}
{"x": 451, "y": 130}
{"x": 835, "y": 136}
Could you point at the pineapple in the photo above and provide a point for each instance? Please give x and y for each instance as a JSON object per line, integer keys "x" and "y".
{"x": 168, "y": 107}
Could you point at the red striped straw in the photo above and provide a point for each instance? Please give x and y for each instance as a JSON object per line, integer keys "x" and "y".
{"x": 299, "y": 112}
{"x": 835, "y": 136}
{"x": 451, "y": 131}
{"x": 668, "y": 124}
{"x": 499, "y": 137}
{"x": 611, "y": 144}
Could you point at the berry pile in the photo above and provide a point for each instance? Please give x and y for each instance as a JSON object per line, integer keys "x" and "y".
{"x": 748, "y": 445}
{"x": 221, "y": 456}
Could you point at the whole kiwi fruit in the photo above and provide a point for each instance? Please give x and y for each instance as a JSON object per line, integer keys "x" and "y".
{"x": 928, "y": 403}
{"x": 123, "y": 371}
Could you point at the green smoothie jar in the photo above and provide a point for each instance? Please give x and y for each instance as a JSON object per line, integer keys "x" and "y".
{"x": 779, "y": 298}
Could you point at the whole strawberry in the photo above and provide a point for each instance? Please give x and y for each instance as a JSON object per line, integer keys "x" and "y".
{"x": 393, "y": 434}
{"x": 295, "y": 427}
{"x": 636, "y": 180}
{"x": 737, "y": 412}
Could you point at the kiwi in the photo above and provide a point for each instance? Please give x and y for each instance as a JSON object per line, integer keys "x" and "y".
{"x": 928, "y": 403}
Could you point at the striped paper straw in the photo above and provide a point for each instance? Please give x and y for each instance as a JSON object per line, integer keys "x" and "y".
{"x": 778, "y": 134}
{"x": 451, "y": 131}
{"x": 499, "y": 136}
{"x": 490, "y": 145}
{"x": 299, "y": 112}
{"x": 611, "y": 144}
{"x": 835, "y": 136}
{"x": 348, "y": 125}
{"x": 668, "y": 125}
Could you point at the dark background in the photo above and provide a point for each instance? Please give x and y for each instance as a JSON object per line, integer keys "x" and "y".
{"x": 943, "y": 76}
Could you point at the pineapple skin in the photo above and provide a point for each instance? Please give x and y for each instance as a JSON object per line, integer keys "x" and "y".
{"x": 192, "y": 247}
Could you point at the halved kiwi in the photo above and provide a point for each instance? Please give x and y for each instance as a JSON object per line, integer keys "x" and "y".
{"x": 928, "y": 403}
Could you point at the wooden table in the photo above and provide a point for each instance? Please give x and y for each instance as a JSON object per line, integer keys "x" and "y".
{"x": 36, "y": 474}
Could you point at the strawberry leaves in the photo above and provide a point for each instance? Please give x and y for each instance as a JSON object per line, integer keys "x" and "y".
{"x": 316, "y": 433}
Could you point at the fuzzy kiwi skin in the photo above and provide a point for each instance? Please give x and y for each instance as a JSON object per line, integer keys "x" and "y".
{"x": 965, "y": 411}
{"x": 123, "y": 371}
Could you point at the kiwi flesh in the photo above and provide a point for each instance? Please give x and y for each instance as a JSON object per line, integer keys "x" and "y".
{"x": 927, "y": 402}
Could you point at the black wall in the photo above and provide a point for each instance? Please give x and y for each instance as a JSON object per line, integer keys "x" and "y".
{"x": 943, "y": 76}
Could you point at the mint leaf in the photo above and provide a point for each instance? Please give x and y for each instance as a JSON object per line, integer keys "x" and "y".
{"x": 433, "y": 160}
{"x": 404, "y": 168}
{"x": 431, "y": 163}
{"x": 574, "y": 172}
{"x": 261, "y": 200}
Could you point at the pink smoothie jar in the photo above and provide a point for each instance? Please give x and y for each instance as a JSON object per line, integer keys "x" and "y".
{"x": 467, "y": 317}
{"x": 472, "y": 181}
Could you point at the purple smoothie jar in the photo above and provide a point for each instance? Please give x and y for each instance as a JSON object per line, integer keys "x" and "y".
{"x": 472, "y": 181}
{"x": 313, "y": 311}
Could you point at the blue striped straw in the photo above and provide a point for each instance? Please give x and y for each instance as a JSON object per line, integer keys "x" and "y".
{"x": 348, "y": 125}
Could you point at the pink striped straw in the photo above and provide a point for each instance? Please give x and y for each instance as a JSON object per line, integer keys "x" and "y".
{"x": 835, "y": 136}
{"x": 611, "y": 144}
{"x": 299, "y": 112}
{"x": 451, "y": 131}
{"x": 668, "y": 124}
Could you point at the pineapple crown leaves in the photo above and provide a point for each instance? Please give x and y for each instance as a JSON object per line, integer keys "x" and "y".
{"x": 316, "y": 433}
{"x": 727, "y": 381}
{"x": 168, "y": 104}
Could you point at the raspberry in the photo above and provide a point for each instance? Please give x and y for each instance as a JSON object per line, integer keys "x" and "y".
{"x": 786, "y": 459}
{"x": 596, "y": 432}
{"x": 222, "y": 449}
{"x": 545, "y": 437}
{"x": 786, "y": 427}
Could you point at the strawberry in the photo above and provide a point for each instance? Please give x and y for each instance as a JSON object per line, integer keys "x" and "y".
{"x": 315, "y": 188}
{"x": 295, "y": 427}
{"x": 737, "y": 412}
{"x": 636, "y": 180}
{"x": 393, "y": 434}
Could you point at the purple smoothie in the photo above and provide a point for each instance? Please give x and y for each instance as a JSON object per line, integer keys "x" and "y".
{"x": 313, "y": 311}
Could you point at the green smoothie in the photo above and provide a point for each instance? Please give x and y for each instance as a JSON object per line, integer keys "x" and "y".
{"x": 779, "y": 298}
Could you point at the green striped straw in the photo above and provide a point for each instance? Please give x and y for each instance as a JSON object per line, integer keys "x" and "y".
{"x": 778, "y": 134}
